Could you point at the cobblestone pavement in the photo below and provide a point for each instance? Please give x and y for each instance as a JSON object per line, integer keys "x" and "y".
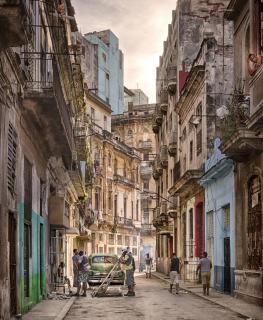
{"x": 152, "y": 301}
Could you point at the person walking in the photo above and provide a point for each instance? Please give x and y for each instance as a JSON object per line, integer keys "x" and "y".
{"x": 205, "y": 266}
{"x": 148, "y": 265}
{"x": 175, "y": 273}
{"x": 83, "y": 270}
{"x": 128, "y": 266}
{"x": 75, "y": 260}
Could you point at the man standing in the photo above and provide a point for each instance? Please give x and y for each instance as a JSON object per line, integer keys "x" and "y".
{"x": 75, "y": 260}
{"x": 205, "y": 266}
{"x": 174, "y": 273}
{"x": 148, "y": 265}
{"x": 128, "y": 266}
{"x": 83, "y": 270}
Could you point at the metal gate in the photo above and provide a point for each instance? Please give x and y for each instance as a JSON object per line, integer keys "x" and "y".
{"x": 58, "y": 259}
{"x": 12, "y": 261}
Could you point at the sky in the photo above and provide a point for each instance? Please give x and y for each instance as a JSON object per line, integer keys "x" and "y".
{"x": 140, "y": 25}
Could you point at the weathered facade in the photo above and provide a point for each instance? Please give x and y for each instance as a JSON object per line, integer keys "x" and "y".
{"x": 134, "y": 128}
{"x": 41, "y": 184}
{"x": 242, "y": 132}
{"x": 183, "y": 144}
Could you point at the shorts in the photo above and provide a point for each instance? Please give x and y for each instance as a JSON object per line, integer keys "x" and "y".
{"x": 148, "y": 268}
{"x": 174, "y": 277}
{"x": 206, "y": 277}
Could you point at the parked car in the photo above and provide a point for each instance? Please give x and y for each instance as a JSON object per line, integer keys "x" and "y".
{"x": 100, "y": 265}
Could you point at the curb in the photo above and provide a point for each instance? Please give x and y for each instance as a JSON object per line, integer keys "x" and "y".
{"x": 205, "y": 298}
{"x": 62, "y": 314}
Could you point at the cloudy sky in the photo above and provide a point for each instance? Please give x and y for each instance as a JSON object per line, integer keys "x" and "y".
{"x": 141, "y": 26}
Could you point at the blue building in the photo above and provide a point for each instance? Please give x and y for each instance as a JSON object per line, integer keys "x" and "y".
{"x": 108, "y": 81}
{"x": 218, "y": 182}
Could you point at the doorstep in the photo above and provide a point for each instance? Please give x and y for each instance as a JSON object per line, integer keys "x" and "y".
{"x": 247, "y": 310}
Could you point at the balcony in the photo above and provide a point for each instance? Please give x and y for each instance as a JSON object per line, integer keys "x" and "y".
{"x": 172, "y": 80}
{"x": 172, "y": 147}
{"x": 81, "y": 136}
{"x": 78, "y": 182}
{"x": 187, "y": 183}
{"x": 145, "y": 145}
{"x": 123, "y": 180}
{"x": 172, "y": 206}
{"x": 163, "y": 208}
{"x": 157, "y": 119}
{"x": 164, "y": 156}
{"x": 125, "y": 222}
{"x": 157, "y": 168}
{"x": 146, "y": 169}
{"x": 147, "y": 229}
{"x": 59, "y": 212}
{"x": 49, "y": 113}
{"x": 164, "y": 101}
{"x": 16, "y": 20}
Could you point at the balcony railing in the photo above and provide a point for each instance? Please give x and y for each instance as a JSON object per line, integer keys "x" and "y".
{"x": 172, "y": 147}
{"x": 125, "y": 221}
{"x": 164, "y": 156}
{"x": 123, "y": 180}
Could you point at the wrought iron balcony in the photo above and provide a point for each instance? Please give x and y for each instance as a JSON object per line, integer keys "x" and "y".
{"x": 164, "y": 101}
{"x": 164, "y": 156}
{"x": 123, "y": 180}
{"x": 172, "y": 80}
{"x": 125, "y": 221}
{"x": 16, "y": 20}
{"x": 172, "y": 147}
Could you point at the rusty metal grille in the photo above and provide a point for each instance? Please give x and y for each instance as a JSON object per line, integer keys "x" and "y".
{"x": 12, "y": 156}
{"x": 12, "y": 261}
{"x": 254, "y": 227}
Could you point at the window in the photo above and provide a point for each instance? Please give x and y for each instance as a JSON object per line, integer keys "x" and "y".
{"x": 105, "y": 123}
{"x": 12, "y": 157}
{"x": 146, "y": 217}
{"x": 137, "y": 210}
{"x": 226, "y": 212}
{"x": 111, "y": 250}
{"x": 97, "y": 200}
{"x": 109, "y": 160}
{"x": 110, "y": 200}
{"x": 119, "y": 240}
{"x": 115, "y": 205}
{"x": 92, "y": 114}
{"x": 101, "y": 237}
{"x": 127, "y": 241}
{"x": 134, "y": 251}
{"x": 111, "y": 238}
{"x": 146, "y": 156}
{"x": 132, "y": 210}
{"x": 134, "y": 241}
{"x": 146, "y": 185}
{"x": 191, "y": 150}
{"x": 199, "y": 142}
{"x": 107, "y": 76}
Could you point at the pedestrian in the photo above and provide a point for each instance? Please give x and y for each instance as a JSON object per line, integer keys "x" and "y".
{"x": 75, "y": 260}
{"x": 175, "y": 273}
{"x": 83, "y": 270}
{"x": 148, "y": 264}
{"x": 128, "y": 266}
{"x": 205, "y": 266}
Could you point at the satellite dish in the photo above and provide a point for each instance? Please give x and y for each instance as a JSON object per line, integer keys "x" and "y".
{"x": 222, "y": 112}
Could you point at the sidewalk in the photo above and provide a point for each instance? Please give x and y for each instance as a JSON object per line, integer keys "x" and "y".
{"x": 50, "y": 310}
{"x": 247, "y": 310}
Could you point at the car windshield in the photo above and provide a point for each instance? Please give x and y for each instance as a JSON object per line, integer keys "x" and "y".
{"x": 104, "y": 259}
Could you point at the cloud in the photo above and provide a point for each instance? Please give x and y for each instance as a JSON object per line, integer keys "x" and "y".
{"x": 140, "y": 25}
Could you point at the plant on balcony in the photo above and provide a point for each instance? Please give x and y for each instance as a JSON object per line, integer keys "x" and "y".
{"x": 237, "y": 113}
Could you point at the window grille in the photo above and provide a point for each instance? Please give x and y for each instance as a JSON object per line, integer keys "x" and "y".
{"x": 12, "y": 157}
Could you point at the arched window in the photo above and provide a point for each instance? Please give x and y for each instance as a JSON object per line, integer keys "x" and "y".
{"x": 254, "y": 224}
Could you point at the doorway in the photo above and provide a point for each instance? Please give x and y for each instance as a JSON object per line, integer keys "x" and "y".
{"x": 12, "y": 261}
{"x": 227, "y": 271}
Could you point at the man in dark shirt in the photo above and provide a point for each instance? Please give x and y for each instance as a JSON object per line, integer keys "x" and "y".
{"x": 175, "y": 273}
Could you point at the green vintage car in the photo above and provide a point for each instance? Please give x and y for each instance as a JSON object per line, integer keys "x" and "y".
{"x": 100, "y": 265}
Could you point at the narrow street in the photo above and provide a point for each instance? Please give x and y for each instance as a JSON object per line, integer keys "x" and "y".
{"x": 152, "y": 301}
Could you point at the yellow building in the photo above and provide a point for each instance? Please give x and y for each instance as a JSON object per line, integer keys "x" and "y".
{"x": 134, "y": 128}
{"x": 115, "y": 187}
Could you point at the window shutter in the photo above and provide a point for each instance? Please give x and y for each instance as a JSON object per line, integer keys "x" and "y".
{"x": 11, "y": 161}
